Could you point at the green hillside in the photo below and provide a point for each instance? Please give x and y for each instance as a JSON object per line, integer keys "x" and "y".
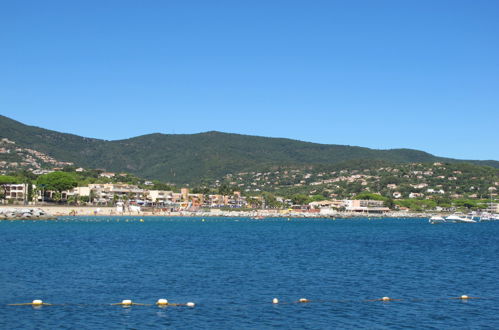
{"x": 185, "y": 158}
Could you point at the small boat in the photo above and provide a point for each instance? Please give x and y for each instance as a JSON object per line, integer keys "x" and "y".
{"x": 489, "y": 217}
{"x": 436, "y": 219}
{"x": 459, "y": 217}
{"x": 486, "y": 217}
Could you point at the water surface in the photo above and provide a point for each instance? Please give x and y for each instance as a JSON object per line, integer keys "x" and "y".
{"x": 232, "y": 268}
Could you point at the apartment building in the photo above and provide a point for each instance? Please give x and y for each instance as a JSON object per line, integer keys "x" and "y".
{"x": 15, "y": 191}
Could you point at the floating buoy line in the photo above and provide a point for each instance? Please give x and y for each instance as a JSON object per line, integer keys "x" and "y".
{"x": 162, "y": 302}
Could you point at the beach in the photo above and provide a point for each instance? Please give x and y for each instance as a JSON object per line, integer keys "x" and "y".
{"x": 56, "y": 211}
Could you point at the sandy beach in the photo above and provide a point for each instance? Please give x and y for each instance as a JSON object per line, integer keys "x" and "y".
{"x": 111, "y": 211}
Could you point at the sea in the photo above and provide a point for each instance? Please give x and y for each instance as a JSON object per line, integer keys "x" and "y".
{"x": 232, "y": 269}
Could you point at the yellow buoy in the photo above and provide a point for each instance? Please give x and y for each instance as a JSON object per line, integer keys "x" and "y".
{"x": 275, "y": 301}
{"x": 141, "y": 220}
{"x": 464, "y": 296}
{"x": 126, "y": 302}
{"x": 190, "y": 304}
{"x": 37, "y": 302}
{"x": 303, "y": 300}
{"x": 386, "y": 299}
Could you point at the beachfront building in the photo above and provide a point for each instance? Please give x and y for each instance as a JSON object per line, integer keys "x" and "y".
{"x": 195, "y": 199}
{"x": 217, "y": 200}
{"x": 185, "y": 193}
{"x": 327, "y": 207}
{"x": 76, "y": 192}
{"x": 160, "y": 197}
{"x": 15, "y": 192}
{"x": 107, "y": 192}
{"x": 368, "y": 206}
{"x": 331, "y": 204}
{"x": 236, "y": 200}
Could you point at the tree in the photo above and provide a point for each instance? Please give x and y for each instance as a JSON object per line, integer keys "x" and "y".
{"x": 201, "y": 190}
{"x": 390, "y": 203}
{"x": 370, "y": 196}
{"x": 253, "y": 202}
{"x": 57, "y": 181}
{"x": 161, "y": 186}
{"x": 225, "y": 189}
{"x": 57, "y": 196}
{"x": 299, "y": 199}
{"x": 6, "y": 179}
{"x": 316, "y": 198}
{"x": 72, "y": 200}
{"x": 92, "y": 196}
{"x": 270, "y": 200}
{"x": 465, "y": 203}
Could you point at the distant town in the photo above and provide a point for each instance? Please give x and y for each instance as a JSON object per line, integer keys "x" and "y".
{"x": 30, "y": 177}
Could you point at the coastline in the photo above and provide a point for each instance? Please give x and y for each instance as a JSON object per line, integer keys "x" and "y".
{"x": 52, "y": 212}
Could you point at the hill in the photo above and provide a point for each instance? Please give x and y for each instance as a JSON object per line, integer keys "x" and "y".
{"x": 188, "y": 158}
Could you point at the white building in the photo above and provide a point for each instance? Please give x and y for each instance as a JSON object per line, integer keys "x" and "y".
{"x": 360, "y": 205}
{"x": 160, "y": 196}
{"x": 15, "y": 191}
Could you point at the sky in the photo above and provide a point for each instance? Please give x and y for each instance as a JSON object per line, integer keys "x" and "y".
{"x": 379, "y": 74}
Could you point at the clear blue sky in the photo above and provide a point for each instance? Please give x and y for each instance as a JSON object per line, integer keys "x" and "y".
{"x": 380, "y": 74}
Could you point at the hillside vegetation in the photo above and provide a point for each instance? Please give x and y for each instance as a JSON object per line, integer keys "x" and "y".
{"x": 189, "y": 158}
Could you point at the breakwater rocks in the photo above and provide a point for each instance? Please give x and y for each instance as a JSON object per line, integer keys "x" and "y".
{"x": 279, "y": 214}
{"x": 24, "y": 214}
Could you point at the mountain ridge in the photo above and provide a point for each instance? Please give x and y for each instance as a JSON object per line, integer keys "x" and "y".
{"x": 184, "y": 158}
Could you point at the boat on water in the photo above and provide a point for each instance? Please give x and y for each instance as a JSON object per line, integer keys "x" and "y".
{"x": 436, "y": 219}
{"x": 489, "y": 217}
{"x": 460, "y": 217}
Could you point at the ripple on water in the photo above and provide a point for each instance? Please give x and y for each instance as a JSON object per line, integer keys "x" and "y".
{"x": 232, "y": 268}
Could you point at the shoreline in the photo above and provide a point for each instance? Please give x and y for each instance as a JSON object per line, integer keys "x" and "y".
{"x": 51, "y": 212}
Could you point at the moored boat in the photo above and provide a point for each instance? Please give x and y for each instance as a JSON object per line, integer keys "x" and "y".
{"x": 489, "y": 217}
{"x": 436, "y": 219}
{"x": 459, "y": 217}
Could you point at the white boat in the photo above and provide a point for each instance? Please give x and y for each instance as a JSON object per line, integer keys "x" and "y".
{"x": 489, "y": 217}
{"x": 486, "y": 217}
{"x": 459, "y": 217}
{"x": 436, "y": 219}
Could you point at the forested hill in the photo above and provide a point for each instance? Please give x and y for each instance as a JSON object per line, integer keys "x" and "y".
{"x": 184, "y": 158}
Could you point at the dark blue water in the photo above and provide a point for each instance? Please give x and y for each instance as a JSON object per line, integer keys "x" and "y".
{"x": 232, "y": 268}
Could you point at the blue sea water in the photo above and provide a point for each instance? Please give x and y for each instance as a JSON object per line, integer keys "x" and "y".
{"x": 233, "y": 268}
